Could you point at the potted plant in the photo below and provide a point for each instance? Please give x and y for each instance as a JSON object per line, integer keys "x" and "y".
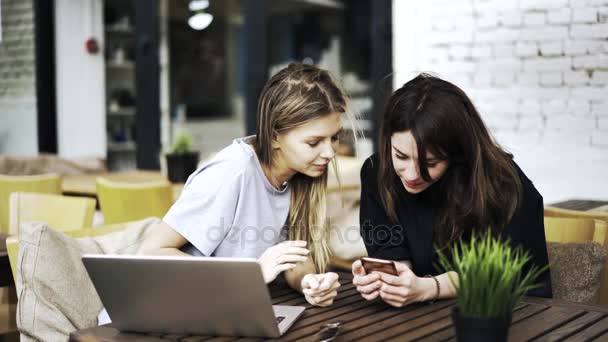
{"x": 181, "y": 160}
{"x": 490, "y": 283}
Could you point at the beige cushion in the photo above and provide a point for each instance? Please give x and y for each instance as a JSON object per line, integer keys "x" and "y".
{"x": 576, "y": 270}
{"x": 55, "y": 293}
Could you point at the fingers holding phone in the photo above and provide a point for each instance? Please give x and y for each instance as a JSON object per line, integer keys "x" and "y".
{"x": 367, "y": 284}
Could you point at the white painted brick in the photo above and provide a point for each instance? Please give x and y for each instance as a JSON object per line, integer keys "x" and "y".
{"x": 554, "y": 107}
{"x": 481, "y": 51}
{"x": 504, "y": 78}
{"x": 603, "y": 14}
{"x": 571, "y": 123}
{"x": 562, "y": 16}
{"x": 458, "y": 36}
{"x": 599, "y": 109}
{"x": 551, "y": 78}
{"x": 581, "y": 47}
{"x": 551, "y": 49}
{"x": 501, "y": 34}
{"x": 541, "y": 94}
{"x": 504, "y": 50}
{"x": 589, "y": 31}
{"x": 576, "y": 78}
{"x": 590, "y": 93}
{"x": 547, "y": 64}
{"x": 443, "y": 25}
{"x": 542, "y": 4}
{"x": 452, "y": 66}
{"x": 534, "y": 19}
{"x": 564, "y": 137}
{"x": 579, "y": 3}
{"x": 499, "y": 64}
{"x": 530, "y": 108}
{"x": 599, "y": 138}
{"x": 584, "y": 15}
{"x": 590, "y": 62}
{"x": 579, "y": 107}
{"x": 500, "y": 121}
{"x": 531, "y": 123}
{"x": 510, "y": 19}
{"x": 459, "y": 51}
{"x": 598, "y": 2}
{"x": 544, "y": 33}
{"x": 600, "y": 78}
{"x": 527, "y": 49}
{"x": 482, "y": 79}
{"x": 602, "y": 124}
{"x": 486, "y": 20}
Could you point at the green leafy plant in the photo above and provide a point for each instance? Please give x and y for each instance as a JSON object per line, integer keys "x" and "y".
{"x": 491, "y": 280}
{"x": 183, "y": 144}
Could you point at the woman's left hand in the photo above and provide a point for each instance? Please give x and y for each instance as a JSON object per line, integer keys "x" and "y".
{"x": 320, "y": 289}
{"x": 404, "y": 289}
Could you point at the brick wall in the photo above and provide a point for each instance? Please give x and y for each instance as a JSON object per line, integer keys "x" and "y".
{"x": 536, "y": 69}
{"x": 18, "y": 115}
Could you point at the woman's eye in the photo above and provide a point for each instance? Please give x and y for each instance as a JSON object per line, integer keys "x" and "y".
{"x": 313, "y": 144}
{"x": 401, "y": 157}
{"x": 335, "y": 138}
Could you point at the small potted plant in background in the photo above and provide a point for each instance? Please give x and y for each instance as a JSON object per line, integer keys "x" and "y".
{"x": 491, "y": 282}
{"x": 181, "y": 160}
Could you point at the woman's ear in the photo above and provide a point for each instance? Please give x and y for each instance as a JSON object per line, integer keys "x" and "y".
{"x": 276, "y": 144}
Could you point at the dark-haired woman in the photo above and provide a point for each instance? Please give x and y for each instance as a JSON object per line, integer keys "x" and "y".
{"x": 437, "y": 178}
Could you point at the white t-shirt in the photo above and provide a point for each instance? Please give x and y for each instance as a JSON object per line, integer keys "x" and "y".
{"x": 228, "y": 208}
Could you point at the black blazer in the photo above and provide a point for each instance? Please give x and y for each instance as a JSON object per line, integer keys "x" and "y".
{"x": 411, "y": 238}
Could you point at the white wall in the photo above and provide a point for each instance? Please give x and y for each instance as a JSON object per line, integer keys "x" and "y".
{"x": 80, "y": 79}
{"x": 537, "y": 70}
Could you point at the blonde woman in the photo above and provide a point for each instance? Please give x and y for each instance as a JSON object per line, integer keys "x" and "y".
{"x": 264, "y": 195}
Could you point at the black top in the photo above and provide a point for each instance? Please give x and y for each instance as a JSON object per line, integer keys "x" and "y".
{"x": 412, "y": 237}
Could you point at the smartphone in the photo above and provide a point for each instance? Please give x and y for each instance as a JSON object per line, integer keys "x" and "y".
{"x": 379, "y": 265}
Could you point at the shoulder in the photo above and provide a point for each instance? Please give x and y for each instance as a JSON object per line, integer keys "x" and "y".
{"x": 231, "y": 165}
{"x": 529, "y": 192}
{"x": 369, "y": 170}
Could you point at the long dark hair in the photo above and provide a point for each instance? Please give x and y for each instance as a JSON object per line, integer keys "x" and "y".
{"x": 481, "y": 187}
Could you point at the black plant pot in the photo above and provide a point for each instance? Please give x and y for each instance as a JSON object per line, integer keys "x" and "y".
{"x": 470, "y": 329}
{"x": 181, "y": 165}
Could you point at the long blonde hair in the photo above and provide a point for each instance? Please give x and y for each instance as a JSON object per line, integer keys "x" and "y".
{"x": 294, "y": 96}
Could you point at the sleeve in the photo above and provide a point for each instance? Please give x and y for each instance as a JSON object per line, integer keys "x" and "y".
{"x": 205, "y": 211}
{"x": 383, "y": 238}
{"x": 527, "y": 229}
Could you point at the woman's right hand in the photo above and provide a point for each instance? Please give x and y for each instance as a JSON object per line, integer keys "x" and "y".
{"x": 281, "y": 257}
{"x": 368, "y": 285}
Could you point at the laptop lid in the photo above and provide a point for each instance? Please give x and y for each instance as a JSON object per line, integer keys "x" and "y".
{"x": 184, "y": 295}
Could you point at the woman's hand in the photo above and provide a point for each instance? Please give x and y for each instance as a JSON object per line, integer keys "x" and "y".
{"x": 281, "y": 257}
{"x": 367, "y": 284}
{"x": 320, "y": 289}
{"x": 406, "y": 288}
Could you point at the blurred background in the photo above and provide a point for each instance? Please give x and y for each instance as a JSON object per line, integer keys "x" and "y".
{"x": 113, "y": 83}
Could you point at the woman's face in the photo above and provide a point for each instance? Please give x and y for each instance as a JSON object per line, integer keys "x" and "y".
{"x": 404, "y": 153}
{"x": 310, "y": 147}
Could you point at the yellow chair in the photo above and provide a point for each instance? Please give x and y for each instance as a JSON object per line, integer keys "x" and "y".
{"x": 578, "y": 230}
{"x": 559, "y": 212}
{"x": 12, "y": 242}
{"x": 49, "y": 184}
{"x": 60, "y": 212}
{"x": 122, "y": 202}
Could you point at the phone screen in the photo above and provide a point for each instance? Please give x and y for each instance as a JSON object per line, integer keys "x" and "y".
{"x": 379, "y": 265}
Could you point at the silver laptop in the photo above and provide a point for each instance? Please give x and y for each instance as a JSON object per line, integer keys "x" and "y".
{"x": 188, "y": 295}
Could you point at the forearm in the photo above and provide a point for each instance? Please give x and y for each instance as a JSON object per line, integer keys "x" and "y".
{"x": 295, "y": 275}
{"x": 446, "y": 288}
